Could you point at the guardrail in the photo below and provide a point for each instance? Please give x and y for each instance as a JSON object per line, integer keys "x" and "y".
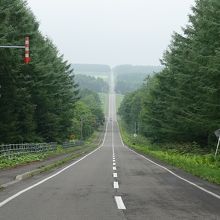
{"x": 11, "y": 150}
{"x": 72, "y": 144}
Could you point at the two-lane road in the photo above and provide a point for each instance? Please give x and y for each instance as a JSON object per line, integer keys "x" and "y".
{"x": 110, "y": 183}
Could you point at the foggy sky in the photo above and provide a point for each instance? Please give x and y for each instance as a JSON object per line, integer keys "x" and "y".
{"x": 111, "y": 31}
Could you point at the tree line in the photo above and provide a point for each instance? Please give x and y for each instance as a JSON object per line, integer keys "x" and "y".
{"x": 39, "y": 101}
{"x": 182, "y": 102}
{"x": 92, "y": 83}
{"x": 129, "y": 78}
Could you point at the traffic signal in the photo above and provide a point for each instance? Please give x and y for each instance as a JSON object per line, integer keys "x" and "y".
{"x": 27, "y": 58}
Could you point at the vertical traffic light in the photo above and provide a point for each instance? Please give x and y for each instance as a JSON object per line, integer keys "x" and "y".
{"x": 27, "y": 58}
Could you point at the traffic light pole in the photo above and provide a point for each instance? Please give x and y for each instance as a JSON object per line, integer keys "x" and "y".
{"x": 16, "y": 47}
{"x": 26, "y": 47}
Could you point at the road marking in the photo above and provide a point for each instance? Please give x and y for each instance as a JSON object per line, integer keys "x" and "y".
{"x": 114, "y": 164}
{"x": 4, "y": 202}
{"x": 119, "y": 202}
{"x": 116, "y": 186}
{"x": 122, "y": 142}
{"x": 179, "y": 177}
{"x": 171, "y": 172}
{"x": 113, "y": 147}
{"x": 115, "y": 175}
{"x": 114, "y": 168}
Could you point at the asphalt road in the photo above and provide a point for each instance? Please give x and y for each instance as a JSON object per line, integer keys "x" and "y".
{"x": 111, "y": 183}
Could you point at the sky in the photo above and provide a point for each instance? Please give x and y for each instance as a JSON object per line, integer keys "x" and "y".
{"x": 111, "y": 32}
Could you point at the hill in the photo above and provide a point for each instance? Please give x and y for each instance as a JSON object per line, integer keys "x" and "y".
{"x": 129, "y": 78}
{"x": 91, "y": 83}
{"x": 91, "y": 68}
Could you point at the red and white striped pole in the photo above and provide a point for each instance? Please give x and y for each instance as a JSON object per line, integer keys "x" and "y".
{"x": 27, "y": 58}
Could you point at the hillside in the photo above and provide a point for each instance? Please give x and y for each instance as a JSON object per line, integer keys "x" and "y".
{"x": 138, "y": 69}
{"x": 129, "y": 78}
{"x": 90, "y": 68}
{"x": 91, "y": 83}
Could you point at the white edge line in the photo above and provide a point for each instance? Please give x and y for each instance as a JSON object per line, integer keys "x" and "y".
{"x": 119, "y": 202}
{"x": 50, "y": 177}
{"x": 171, "y": 172}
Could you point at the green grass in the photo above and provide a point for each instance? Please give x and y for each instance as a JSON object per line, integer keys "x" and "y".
{"x": 119, "y": 98}
{"x": 201, "y": 165}
{"x": 27, "y": 158}
{"x": 104, "y": 100}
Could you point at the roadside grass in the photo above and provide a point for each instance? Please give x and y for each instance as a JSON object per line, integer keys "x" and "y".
{"x": 104, "y": 100}
{"x": 89, "y": 145}
{"x": 119, "y": 98}
{"x": 199, "y": 164}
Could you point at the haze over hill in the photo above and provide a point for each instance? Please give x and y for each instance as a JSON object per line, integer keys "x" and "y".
{"x": 129, "y": 77}
{"x": 91, "y": 68}
{"x": 122, "y": 69}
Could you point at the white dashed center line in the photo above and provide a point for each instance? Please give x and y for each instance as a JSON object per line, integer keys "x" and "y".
{"x": 114, "y": 164}
{"x": 114, "y": 168}
{"x": 116, "y": 186}
{"x": 115, "y": 175}
{"x": 119, "y": 202}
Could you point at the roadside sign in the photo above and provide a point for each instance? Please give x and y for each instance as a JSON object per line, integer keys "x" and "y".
{"x": 217, "y": 133}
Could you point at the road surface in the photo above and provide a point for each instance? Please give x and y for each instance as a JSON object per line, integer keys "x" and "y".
{"x": 110, "y": 183}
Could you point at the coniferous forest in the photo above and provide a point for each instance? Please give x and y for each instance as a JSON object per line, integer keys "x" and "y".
{"x": 182, "y": 102}
{"x": 38, "y": 101}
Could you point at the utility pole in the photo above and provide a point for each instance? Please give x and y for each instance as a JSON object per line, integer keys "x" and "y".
{"x": 135, "y": 129}
{"x": 216, "y": 152}
{"x": 81, "y": 128}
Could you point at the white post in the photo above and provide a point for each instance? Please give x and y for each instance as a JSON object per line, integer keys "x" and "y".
{"x": 216, "y": 152}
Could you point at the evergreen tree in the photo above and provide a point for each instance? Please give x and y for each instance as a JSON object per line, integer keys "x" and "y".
{"x": 37, "y": 100}
{"x": 181, "y": 103}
